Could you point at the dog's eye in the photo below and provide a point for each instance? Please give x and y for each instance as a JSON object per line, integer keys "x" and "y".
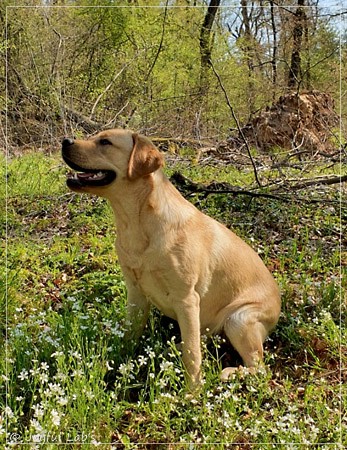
{"x": 105, "y": 142}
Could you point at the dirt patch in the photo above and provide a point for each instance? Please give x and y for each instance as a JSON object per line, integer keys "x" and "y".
{"x": 303, "y": 121}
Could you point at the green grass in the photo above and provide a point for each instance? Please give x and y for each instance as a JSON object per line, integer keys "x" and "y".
{"x": 69, "y": 377}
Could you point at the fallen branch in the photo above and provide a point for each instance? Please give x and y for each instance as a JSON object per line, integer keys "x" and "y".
{"x": 188, "y": 186}
{"x": 318, "y": 181}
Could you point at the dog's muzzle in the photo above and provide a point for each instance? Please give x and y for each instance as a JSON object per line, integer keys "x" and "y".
{"x": 83, "y": 176}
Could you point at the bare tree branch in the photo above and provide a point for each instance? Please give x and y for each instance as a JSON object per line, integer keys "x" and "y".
{"x": 161, "y": 41}
{"x": 107, "y": 88}
{"x": 237, "y": 124}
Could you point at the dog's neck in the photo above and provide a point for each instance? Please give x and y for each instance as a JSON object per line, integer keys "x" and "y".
{"x": 146, "y": 206}
{"x": 167, "y": 202}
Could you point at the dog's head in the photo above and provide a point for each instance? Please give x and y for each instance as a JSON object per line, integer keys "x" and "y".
{"x": 110, "y": 157}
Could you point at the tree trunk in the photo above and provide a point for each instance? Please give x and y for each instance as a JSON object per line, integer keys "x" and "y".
{"x": 274, "y": 48}
{"x": 298, "y": 31}
{"x": 249, "y": 54}
{"x": 206, "y": 43}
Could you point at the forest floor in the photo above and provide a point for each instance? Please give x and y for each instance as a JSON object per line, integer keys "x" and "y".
{"x": 63, "y": 295}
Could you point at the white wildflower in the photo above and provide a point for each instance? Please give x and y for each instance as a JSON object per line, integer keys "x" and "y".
{"x": 23, "y": 375}
{"x": 34, "y": 372}
{"x": 150, "y": 352}
{"x": 77, "y": 373}
{"x": 43, "y": 377}
{"x": 165, "y": 365}
{"x": 55, "y": 417}
{"x": 163, "y": 382}
{"x": 9, "y": 412}
{"x": 38, "y": 411}
{"x": 125, "y": 369}
{"x": 36, "y": 425}
{"x": 142, "y": 360}
{"x": 108, "y": 365}
{"x": 56, "y": 388}
{"x": 44, "y": 366}
{"x": 75, "y": 355}
{"x": 116, "y": 331}
{"x": 63, "y": 401}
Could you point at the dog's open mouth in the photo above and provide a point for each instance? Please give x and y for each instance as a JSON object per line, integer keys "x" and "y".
{"x": 88, "y": 177}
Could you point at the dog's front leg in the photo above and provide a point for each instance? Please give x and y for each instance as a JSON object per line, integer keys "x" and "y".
{"x": 189, "y": 322}
{"x": 137, "y": 312}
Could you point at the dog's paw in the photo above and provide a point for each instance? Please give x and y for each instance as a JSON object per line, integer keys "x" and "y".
{"x": 232, "y": 372}
{"x": 229, "y": 373}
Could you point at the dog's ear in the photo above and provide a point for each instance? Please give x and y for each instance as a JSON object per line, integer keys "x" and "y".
{"x": 145, "y": 158}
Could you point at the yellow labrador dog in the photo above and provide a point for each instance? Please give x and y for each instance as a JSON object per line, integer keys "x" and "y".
{"x": 191, "y": 267}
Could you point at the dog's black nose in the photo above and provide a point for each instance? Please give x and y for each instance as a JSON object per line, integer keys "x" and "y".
{"x": 67, "y": 142}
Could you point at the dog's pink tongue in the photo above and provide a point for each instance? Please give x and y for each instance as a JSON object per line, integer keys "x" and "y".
{"x": 85, "y": 175}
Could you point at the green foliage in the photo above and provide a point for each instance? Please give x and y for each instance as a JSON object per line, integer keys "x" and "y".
{"x": 71, "y": 378}
{"x": 138, "y": 65}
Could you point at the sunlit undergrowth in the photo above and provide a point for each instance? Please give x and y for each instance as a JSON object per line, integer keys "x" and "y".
{"x": 69, "y": 377}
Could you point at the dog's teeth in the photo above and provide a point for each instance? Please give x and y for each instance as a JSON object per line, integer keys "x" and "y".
{"x": 98, "y": 175}
{"x": 75, "y": 176}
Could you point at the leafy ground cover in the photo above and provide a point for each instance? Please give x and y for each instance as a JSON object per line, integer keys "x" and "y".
{"x": 69, "y": 377}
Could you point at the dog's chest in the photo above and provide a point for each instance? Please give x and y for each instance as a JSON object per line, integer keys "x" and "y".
{"x": 155, "y": 289}
{"x": 153, "y": 277}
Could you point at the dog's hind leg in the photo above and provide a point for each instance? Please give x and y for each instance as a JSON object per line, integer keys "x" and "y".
{"x": 246, "y": 333}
